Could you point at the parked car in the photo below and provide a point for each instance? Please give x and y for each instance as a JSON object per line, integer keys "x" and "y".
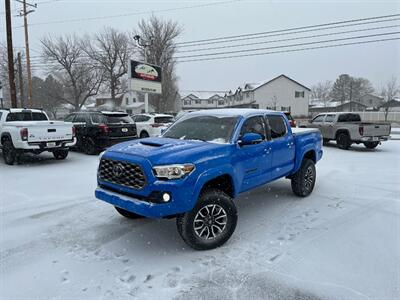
{"x": 152, "y": 124}
{"x": 96, "y": 131}
{"x": 29, "y": 130}
{"x": 201, "y": 163}
{"x": 347, "y": 128}
{"x": 292, "y": 121}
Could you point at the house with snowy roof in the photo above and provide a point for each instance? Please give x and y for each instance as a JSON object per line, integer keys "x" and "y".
{"x": 280, "y": 93}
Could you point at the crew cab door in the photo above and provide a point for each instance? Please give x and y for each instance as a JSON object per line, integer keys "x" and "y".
{"x": 283, "y": 147}
{"x": 254, "y": 161}
{"x": 328, "y": 131}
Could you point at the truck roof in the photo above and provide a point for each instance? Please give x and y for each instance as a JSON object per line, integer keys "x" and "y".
{"x": 17, "y": 110}
{"x": 245, "y": 112}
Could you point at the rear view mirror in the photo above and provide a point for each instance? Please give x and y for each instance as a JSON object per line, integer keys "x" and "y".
{"x": 250, "y": 138}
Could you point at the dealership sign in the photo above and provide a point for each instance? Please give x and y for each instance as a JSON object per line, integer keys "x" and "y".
{"x": 144, "y": 77}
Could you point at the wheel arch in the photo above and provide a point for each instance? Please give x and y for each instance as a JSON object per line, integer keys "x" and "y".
{"x": 5, "y": 136}
{"x": 342, "y": 130}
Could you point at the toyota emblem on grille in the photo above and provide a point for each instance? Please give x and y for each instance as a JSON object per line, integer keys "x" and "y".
{"x": 118, "y": 169}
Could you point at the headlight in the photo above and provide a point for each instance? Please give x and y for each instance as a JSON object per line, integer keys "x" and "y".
{"x": 173, "y": 171}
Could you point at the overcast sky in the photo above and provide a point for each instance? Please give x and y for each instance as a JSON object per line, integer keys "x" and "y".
{"x": 376, "y": 61}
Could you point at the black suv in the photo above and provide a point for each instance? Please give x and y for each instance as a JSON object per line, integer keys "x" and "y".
{"x": 96, "y": 131}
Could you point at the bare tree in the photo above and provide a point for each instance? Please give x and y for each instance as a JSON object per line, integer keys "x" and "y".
{"x": 163, "y": 35}
{"x": 389, "y": 92}
{"x": 322, "y": 91}
{"x": 348, "y": 88}
{"x": 79, "y": 78}
{"x": 109, "y": 50}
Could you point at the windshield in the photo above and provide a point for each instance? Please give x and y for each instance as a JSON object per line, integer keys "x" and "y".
{"x": 214, "y": 129}
{"x": 26, "y": 116}
{"x": 118, "y": 119}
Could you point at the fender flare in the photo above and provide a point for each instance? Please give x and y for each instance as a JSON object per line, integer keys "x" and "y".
{"x": 6, "y": 135}
{"x": 210, "y": 175}
{"x": 307, "y": 149}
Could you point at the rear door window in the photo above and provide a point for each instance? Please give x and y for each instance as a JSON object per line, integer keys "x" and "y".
{"x": 277, "y": 126}
{"x": 69, "y": 118}
{"x": 80, "y": 118}
{"x": 349, "y": 118}
{"x": 329, "y": 118}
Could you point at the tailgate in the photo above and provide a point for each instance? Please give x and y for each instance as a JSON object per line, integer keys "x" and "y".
{"x": 49, "y": 131}
{"x": 122, "y": 130}
{"x": 376, "y": 130}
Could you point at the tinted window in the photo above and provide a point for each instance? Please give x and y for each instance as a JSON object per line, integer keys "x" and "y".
{"x": 69, "y": 118}
{"x": 289, "y": 116}
{"x": 1, "y": 114}
{"x": 80, "y": 118}
{"x": 118, "y": 119}
{"x": 318, "y": 119}
{"x": 163, "y": 119}
{"x": 329, "y": 118}
{"x": 254, "y": 125}
{"x": 277, "y": 126}
{"x": 214, "y": 129}
{"x": 349, "y": 118}
{"x": 26, "y": 116}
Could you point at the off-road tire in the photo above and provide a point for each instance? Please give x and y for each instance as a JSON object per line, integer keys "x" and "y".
{"x": 212, "y": 201}
{"x": 9, "y": 153}
{"x": 144, "y": 134}
{"x": 60, "y": 154}
{"x": 371, "y": 145}
{"x": 127, "y": 214}
{"x": 343, "y": 141}
{"x": 89, "y": 147}
{"x": 303, "y": 180}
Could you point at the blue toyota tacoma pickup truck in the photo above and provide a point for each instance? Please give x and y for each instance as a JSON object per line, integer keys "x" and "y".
{"x": 201, "y": 163}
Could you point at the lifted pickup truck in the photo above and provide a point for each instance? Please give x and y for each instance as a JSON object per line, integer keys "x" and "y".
{"x": 29, "y": 130}
{"x": 201, "y": 163}
{"x": 347, "y": 128}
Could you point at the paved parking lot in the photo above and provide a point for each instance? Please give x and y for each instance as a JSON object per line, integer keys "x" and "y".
{"x": 343, "y": 242}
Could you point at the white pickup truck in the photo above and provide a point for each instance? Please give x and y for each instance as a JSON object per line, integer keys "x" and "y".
{"x": 29, "y": 130}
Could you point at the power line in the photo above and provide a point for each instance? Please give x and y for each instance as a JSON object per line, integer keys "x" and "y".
{"x": 273, "y": 41}
{"x": 290, "y": 45}
{"x": 290, "y": 50}
{"x": 289, "y": 29}
{"x": 132, "y": 14}
{"x": 288, "y": 39}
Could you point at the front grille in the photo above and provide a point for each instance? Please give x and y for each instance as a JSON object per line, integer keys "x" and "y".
{"x": 122, "y": 173}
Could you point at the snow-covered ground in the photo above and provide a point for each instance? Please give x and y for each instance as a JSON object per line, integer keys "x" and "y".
{"x": 343, "y": 242}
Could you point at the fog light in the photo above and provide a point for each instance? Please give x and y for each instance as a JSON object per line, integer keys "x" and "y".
{"x": 166, "y": 197}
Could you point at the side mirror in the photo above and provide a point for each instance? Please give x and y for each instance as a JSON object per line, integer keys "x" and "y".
{"x": 250, "y": 138}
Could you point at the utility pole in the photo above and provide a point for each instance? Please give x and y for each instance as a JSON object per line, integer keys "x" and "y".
{"x": 20, "y": 81}
{"x": 24, "y": 13}
{"x": 144, "y": 45}
{"x": 10, "y": 49}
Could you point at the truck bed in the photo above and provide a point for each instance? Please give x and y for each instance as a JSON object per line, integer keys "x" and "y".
{"x": 298, "y": 131}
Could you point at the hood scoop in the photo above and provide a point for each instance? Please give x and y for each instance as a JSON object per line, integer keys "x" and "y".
{"x": 151, "y": 144}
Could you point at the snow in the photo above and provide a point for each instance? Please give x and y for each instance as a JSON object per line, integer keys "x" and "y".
{"x": 343, "y": 242}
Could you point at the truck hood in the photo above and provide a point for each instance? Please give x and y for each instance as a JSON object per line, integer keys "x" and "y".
{"x": 168, "y": 151}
